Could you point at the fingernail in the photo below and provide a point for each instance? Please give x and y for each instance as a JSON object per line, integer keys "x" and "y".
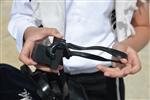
{"x": 124, "y": 60}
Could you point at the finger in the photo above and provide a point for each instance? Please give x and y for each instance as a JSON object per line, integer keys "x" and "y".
{"x": 43, "y": 68}
{"x": 46, "y": 69}
{"x": 120, "y": 65}
{"x": 54, "y": 32}
{"x": 111, "y": 72}
{"x": 136, "y": 65}
{"x": 124, "y": 61}
{"x": 126, "y": 69}
{"x": 134, "y": 61}
{"x": 26, "y": 53}
{"x": 104, "y": 69}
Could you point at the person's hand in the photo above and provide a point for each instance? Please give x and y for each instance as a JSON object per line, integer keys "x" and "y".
{"x": 32, "y": 36}
{"x": 129, "y": 66}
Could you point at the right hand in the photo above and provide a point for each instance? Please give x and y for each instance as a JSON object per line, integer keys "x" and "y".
{"x": 33, "y": 35}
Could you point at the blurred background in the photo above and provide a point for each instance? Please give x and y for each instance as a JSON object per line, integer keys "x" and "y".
{"x": 137, "y": 86}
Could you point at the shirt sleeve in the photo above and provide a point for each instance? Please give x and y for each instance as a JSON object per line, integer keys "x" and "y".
{"x": 21, "y": 18}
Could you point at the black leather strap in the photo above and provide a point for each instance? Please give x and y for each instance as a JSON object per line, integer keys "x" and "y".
{"x": 52, "y": 55}
{"x": 91, "y": 56}
{"x": 116, "y": 53}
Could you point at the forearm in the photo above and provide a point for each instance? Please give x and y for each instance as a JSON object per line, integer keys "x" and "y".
{"x": 140, "y": 39}
{"x": 141, "y": 25}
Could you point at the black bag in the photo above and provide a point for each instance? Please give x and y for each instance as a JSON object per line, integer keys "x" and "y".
{"x": 24, "y": 85}
{"x": 15, "y": 85}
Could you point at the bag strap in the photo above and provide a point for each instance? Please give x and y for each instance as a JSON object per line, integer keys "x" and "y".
{"x": 113, "y": 52}
{"x": 52, "y": 55}
{"x": 48, "y": 84}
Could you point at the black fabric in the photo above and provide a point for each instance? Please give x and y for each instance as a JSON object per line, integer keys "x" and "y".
{"x": 92, "y": 86}
{"x": 64, "y": 87}
{"x": 76, "y": 90}
{"x": 26, "y": 85}
{"x": 113, "y": 19}
{"x": 99, "y": 87}
{"x": 122, "y": 88}
{"x": 13, "y": 82}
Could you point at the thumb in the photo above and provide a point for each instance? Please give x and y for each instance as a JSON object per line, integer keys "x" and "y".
{"x": 102, "y": 68}
{"x": 54, "y": 32}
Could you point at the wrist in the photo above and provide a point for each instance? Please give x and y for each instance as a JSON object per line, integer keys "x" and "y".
{"x": 120, "y": 46}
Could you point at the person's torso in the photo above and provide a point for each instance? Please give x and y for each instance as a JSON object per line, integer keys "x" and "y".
{"x": 88, "y": 24}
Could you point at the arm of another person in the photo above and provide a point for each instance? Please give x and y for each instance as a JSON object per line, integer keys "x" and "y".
{"x": 131, "y": 45}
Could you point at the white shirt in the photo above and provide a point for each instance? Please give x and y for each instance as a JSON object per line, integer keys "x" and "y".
{"x": 87, "y": 24}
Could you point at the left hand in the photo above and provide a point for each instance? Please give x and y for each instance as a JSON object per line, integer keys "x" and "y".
{"x": 131, "y": 65}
